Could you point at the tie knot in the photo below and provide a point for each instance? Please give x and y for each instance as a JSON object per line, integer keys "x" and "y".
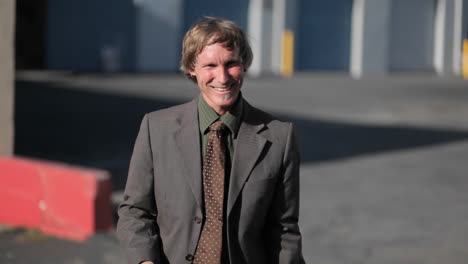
{"x": 217, "y": 126}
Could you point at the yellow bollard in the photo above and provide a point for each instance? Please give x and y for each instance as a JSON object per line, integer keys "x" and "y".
{"x": 288, "y": 54}
{"x": 465, "y": 60}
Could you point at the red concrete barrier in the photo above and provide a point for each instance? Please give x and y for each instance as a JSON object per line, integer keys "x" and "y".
{"x": 66, "y": 201}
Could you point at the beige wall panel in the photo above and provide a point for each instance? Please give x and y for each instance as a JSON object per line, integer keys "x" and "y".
{"x": 7, "y": 18}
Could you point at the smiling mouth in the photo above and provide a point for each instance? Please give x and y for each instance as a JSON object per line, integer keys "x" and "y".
{"x": 222, "y": 89}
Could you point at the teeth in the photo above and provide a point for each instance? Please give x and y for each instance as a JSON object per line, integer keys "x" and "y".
{"x": 221, "y": 89}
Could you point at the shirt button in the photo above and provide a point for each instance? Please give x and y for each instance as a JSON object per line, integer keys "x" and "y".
{"x": 198, "y": 220}
{"x": 189, "y": 257}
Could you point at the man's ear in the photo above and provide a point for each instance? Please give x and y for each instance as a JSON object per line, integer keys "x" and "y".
{"x": 191, "y": 72}
{"x": 191, "y": 75}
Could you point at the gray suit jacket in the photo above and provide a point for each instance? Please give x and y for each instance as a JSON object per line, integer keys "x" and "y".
{"x": 159, "y": 218}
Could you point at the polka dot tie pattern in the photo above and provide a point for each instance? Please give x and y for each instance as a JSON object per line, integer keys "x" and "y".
{"x": 211, "y": 238}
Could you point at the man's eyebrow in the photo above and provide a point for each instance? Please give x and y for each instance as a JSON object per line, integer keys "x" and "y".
{"x": 234, "y": 59}
{"x": 208, "y": 64}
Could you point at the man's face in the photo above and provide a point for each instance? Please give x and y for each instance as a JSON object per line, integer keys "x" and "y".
{"x": 219, "y": 74}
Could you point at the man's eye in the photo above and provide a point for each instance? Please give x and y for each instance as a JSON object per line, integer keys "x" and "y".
{"x": 232, "y": 63}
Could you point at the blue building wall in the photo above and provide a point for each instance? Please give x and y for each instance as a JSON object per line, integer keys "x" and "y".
{"x": 236, "y": 11}
{"x": 159, "y": 27}
{"x": 323, "y": 35}
{"x": 80, "y": 33}
{"x": 116, "y": 35}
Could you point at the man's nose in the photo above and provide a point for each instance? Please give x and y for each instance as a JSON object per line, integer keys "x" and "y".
{"x": 222, "y": 75}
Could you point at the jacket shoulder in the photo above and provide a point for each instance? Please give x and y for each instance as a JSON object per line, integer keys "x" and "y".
{"x": 256, "y": 116}
{"x": 173, "y": 113}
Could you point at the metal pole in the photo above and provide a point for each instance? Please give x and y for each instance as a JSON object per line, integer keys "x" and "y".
{"x": 439, "y": 37}
{"x": 255, "y": 27}
{"x": 357, "y": 38}
{"x": 457, "y": 36}
{"x": 279, "y": 14}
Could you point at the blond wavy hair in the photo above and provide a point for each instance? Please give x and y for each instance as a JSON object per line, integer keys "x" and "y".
{"x": 211, "y": 30}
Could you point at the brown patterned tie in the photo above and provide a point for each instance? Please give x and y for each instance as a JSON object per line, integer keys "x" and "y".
{"x": 211, "y": 238}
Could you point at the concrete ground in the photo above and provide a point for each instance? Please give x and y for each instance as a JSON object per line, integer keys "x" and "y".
{"x": 384, "y": 177}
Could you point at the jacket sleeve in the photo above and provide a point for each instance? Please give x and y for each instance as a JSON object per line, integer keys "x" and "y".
{"x": 282, "y": 230}
{"x": 137, "y": 228}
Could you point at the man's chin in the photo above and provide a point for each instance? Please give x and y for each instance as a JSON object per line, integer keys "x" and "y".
{"x": 226, "y": 97}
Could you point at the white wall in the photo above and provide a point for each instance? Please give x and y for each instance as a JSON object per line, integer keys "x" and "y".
{"x": 376, "y": 37}
{"x": 7, "y": 11}
{"x": 445, "y": 37}
{"x": 266, "y": 24}
{"x": 159, "y": 26}
{"x": 259, "y": 32}
{"x": 370, "y": 36}
{"x": 402, "y": 35}
{"x": 412, "y": 35}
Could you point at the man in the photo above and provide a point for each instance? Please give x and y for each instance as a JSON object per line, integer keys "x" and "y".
{"x": 214, "y": 180}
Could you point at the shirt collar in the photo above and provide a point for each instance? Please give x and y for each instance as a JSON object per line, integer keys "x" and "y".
{"x": 232, "y": 119}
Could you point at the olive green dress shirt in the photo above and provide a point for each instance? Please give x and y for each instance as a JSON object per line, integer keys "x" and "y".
{"x": 232, "y": 119}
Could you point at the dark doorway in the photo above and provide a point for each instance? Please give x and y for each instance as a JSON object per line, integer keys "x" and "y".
{"x": 30, "y": 34}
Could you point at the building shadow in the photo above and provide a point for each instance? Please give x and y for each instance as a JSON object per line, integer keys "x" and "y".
{"x": 321, "y": 140}
{"x": 98, "y": 130}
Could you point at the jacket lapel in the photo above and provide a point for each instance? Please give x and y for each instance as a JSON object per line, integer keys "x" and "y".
{"x": 248, "y": 148}
{"x": 187, "y": 140}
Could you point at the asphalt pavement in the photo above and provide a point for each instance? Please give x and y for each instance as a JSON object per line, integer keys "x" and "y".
{"x": 384, "y": 174}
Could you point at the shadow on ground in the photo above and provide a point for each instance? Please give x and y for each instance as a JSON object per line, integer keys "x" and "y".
{"x": 98, "y": 130}
{"x": 327, "y": 140}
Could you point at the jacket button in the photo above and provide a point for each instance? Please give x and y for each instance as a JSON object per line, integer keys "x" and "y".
{"x": 198, "y": 220}
{"x": 189, "y": 257}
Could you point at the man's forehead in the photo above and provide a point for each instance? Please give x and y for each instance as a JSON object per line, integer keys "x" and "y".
{"x": 212, "y": 50}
